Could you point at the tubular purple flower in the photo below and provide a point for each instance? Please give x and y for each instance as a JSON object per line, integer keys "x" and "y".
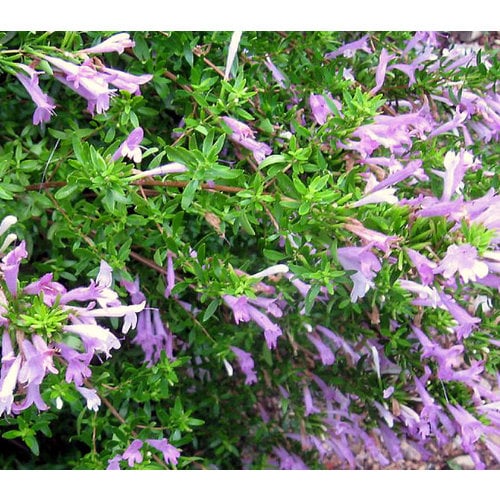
{"x": 326, "y": 355}
{"x": 32, "y": 396}
{"x": 458, "y": 119}
{"x": 270, "y": 305}
{"x": 319, "y": 108}
{"x": 339, "y": 342}
{"x": 462, "y": 259}
{"x": 455, "y": 168}
{"x": 239, "y": 306}
{"x": 170, "y": 453}
{"x": 78, "y": 364}
{"x": 114, "y": 463}
{"x": 90, "y": 395}
{"x": 349, "y": 49}
{"x": 288, "y": 461}
{"x": 423, "y": 265}
{"x": 259, "y": 149}
{"x": 170, "y": 275}
{"x": 51, "y": 289}
{"x": 308, "y": 401}
{"x": 125, "y": 81}
{"x": 97, "y": 99}
{"x": 116, "y": 43}
{"x": 170, "y": 168}
{"x": 8, "y": 382}
{"x": 246, "y": 363}
{"x": 95, "y": 337}
{"x": 44, "y": 103}
{"x": 10, "y": 266}
{"x": 465, "y": 321}
{"x": 277, "y": 74}
{"x": 271, "y": 330}
{"x": 378, "y": 240}
{"x": 240, "y": 130}
{"x": 384, "y": 59}
{"x": 391, "y": 442}
{"x": 383, "y": 196}
{"x": 366, "y": 265}
{"x": 132, "y": 454}
{"x": 130, "y": 146}
{"x": 414, "y": 167}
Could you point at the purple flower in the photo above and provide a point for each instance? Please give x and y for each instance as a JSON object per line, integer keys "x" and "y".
{"x": 170, "y": 453}
{"x": 125, "y": 81}
{"x": 416, "y": 64}
{"x": 270, "y": 305}
{"x": 320, "y": 109}
{"x": 277, "y": 74}
{"x": 340, "y": 343}
{"x": 130, "y": 146}
{"x": 471, "y": 429}
{"x": 240, "y": 130}
{"x": 462, "y": 259}
{"x": 413, "y": 168}
{"x": 239, "y": 306}
{"x": 455, "y": 168}
{"x": 32, "y": 396}
{"x": 246, "y": 363}
{"x": 271, "y": 330}
{"x": 391, "y": 442}
{"x": 114, "y": 463}
{"x": 132, "y": 454}
{"x": 170, "y": 275}
{"x": 381, "y": 70}
{"x": 95, "y": 338}
{"x": 169, "y": 168}
{"x": 10, "y": 266}
{"x": 78, "y": 364}
{"x": 8, "y": 382}
{"x": 244, "y": 136}
{"x": 288, "y": 461}
{"x": 51, "y": 289}
{"x": 383, "y": 196}
{"x": 259, "y": 149}
{"x": 423, "y": 265}
{"x": 458, "y": 119}
{"x": 349, "y": 49}
{"x": 116, "y": 43}
{"x": 392, "y": 132}
{"x": 153, "y": 337}
{"x": 325, "y": 353}
{"x": 44, "y": 104}
{"x": 366, "y": 265}
{"x": 465, "y": 321}
{"x": 308, "y": 401}
{"x": 93, "y": 400}
{"x": 376, "y": 239}
{"x": 85, "y": 81}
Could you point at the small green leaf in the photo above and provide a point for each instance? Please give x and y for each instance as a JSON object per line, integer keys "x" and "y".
{"x": 210, "y": 310}
{"x": 66, "y": 191}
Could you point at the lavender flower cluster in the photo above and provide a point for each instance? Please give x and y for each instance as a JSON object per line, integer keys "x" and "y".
{"x": 90, "y": 79}
{"x": 57, "y": 334}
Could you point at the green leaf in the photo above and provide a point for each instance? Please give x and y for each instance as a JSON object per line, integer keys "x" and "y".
{"x": 66, "y": 191}
{"x": 189, "y": 194}
{"x": 210, "y": 310}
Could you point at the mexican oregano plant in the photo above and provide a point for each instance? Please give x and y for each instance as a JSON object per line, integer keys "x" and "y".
{"x": 250, "y": 250}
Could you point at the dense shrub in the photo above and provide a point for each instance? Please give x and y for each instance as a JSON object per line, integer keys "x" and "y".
{"x": 279, "y": 251}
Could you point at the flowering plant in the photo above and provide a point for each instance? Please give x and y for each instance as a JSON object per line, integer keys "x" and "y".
{"x": 258, "y": 250}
